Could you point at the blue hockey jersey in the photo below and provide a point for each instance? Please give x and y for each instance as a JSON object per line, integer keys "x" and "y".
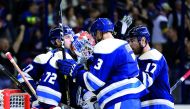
{"x": 44, "y": 71}
{"x": 112, "y": 75}
{"x": 154, "y": 75}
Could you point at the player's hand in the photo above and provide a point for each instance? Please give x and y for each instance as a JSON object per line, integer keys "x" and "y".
{"x": 126, "y": 22}
{"x": 90, "y": 62}
{"x": 121, "y": 26}
{"x": 68, "y": 67}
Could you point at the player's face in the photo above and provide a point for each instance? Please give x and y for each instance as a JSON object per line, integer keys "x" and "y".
{"x": 67, "y": 41}
{"x": 135, "y": 45}
{"x": 98, "y": 36}
{"x": 58, "y": 43}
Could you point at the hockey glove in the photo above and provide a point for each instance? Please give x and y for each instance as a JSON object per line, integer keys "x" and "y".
{"x": 69, "y": 67}
{"x": 121, "y": 26}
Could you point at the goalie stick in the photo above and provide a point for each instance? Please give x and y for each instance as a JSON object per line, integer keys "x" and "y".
{"x": 9, "y": 56}
{"x": 185, "y": 76}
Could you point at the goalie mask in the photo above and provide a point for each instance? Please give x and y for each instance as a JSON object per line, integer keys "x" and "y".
{"x": 83, "y": 45}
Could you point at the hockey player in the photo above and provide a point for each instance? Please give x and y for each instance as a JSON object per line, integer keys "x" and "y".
{"x": 80, "y": 46}
{"x": 109, "y": 76}
{"x": 153, "y": 70}
{"x": 44, "y": 71}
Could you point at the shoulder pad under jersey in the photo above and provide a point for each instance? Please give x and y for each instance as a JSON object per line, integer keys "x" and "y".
{"x": 152, "y": 54}
{"x": 43, "y": 58}
{"x": 58, "y": 55}
{"x": 108, "y": 46}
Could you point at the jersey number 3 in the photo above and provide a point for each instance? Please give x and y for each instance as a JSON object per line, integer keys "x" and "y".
{"x": 51, "y": 76}
{"x": 99, "y": 64}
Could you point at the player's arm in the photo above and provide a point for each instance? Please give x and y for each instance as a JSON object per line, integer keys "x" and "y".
{"x": 98, "y": 72}
{"x": 32, "y": 72}
{"x": 92, "y": 79}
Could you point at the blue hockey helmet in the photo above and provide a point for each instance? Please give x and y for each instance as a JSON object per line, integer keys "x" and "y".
{"x": 67, "y": 30}
{"x": 103, "y": 25}
{"x": 139, "y": 32}
{"x": 55, "y": 33}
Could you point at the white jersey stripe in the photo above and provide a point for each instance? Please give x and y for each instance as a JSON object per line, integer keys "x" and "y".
{"x": 47, "y": 101}
{"x": 48, "y": 90}
{"x": 116, "y": 85}
{"x": 157, "y": 102}
{"x": 122, "y": 93}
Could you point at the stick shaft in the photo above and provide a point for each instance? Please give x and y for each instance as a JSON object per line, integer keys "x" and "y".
{"x": 175, "y": 85}
{"x": 185, "y": 76}
{"x": 12, "y": 77}
{"x": 64, "y": 56}
{"x": 9, "y": 56}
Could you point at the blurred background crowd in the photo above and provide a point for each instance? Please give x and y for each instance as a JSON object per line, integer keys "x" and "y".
{"x": 24, "y": 26}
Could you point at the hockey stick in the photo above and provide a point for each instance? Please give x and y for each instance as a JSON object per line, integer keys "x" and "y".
{"x": 64, "y": 56}
{"x": 9, "y": 56}
{"x": 16, "y": 82}
{"x": 185, "y": 76}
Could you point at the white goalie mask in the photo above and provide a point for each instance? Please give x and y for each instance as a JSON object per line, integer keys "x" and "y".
{"x": 83, "y": 45}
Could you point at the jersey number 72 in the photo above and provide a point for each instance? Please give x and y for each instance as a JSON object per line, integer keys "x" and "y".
{"x": 51, "y": 77}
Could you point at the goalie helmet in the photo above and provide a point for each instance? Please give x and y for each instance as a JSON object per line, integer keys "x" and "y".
{"x": 83, "y": 45}
{"x": 67, "y": 31}
{"x": 103, "y": 25}
{"x": 139, "y": 32}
